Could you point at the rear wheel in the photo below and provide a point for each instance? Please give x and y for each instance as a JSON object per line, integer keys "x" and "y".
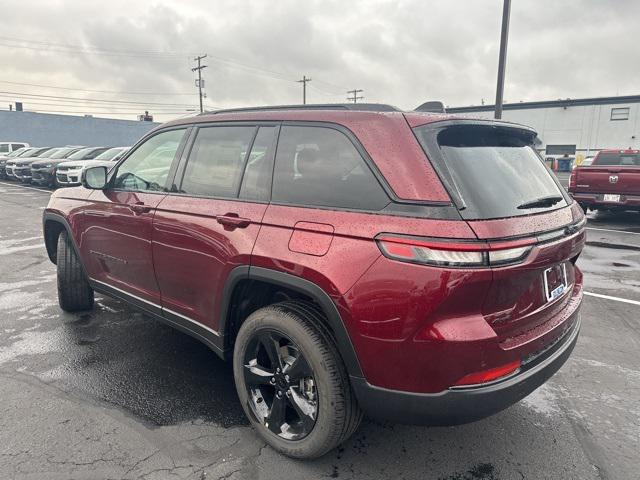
{"x": 291, "y": 381}
{"x": 74, "y": 291}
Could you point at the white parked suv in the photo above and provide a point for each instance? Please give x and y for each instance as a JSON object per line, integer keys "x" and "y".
{"x": 68, "y": 173}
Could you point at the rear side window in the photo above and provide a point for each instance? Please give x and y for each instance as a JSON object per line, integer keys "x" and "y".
{"x": 256, "y": 182}
{"x": 495, "y": 171}
{"x": 615, "y": 158}
{"x": 320, "y": 166}
{"x": 216, "y": 161}
{"x": 4, "y": 147}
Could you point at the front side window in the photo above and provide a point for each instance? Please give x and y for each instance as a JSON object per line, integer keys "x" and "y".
{"x": 216, "y": 161}
{"x": 147, "y": 168}
{"x": 320, "y": 166}
{"x": 16, "y": 146}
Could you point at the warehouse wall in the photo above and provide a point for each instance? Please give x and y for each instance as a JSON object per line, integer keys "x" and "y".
{"x": 43, "y": 129}
{"x": 589, "y": 127}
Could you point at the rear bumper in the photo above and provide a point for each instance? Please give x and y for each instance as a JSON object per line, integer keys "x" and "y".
{"x": 464, "y": 405}
{"x": 596, "y": 200}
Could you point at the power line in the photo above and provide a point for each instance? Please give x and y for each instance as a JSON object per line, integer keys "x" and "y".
{"x": 84, "y": 50}
{"x": 304, "y": 82}
{"x": 91, "y": 100}
{"x": 93, "y": 91}
{"x": 355, "y": 96}
{"x": 37, "y": 104}
{"x": 199, "y": 69}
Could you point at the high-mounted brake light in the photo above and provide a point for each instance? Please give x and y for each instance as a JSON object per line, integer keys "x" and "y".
{"x": 452, "y": 253}
{"x": 490, "y": 375}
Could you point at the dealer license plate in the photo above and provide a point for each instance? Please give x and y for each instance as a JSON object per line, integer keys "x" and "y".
{"x": 555, "y": 281}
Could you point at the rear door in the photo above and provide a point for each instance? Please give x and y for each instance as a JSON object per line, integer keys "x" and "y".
{"x": 117, "y": 223}
{"x": 506, "y": 194}
{"x": 209, "y": 224}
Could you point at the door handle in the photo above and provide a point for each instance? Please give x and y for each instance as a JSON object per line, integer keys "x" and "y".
{"x": 139, "y": 207}
{"x": 232, "y": 221}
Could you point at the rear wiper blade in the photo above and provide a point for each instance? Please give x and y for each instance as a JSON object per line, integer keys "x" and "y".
{"x": 541, "y": 202}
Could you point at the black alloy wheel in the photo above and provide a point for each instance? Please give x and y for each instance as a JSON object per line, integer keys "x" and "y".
{"x": 280, "y": 384}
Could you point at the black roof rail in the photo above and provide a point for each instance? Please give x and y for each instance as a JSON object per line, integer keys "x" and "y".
{"x": 361, "y": 107}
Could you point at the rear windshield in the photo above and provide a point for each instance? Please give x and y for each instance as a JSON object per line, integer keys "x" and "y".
{"x": 615, "y": 158}
{"x": 494, "y": 170}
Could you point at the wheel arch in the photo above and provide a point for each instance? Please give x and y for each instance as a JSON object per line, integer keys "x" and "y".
{"x": 261, "y": 280}
{"x": 52, "y": 225}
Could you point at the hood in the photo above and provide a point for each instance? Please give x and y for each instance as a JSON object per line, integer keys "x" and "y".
{"x": 26, "y": 161}
{"x": 86, "y": 164}
{"x": 47, "y": 161}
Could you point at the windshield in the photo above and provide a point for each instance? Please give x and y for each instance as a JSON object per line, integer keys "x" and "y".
{"x": 495, "y": 171}
{"x": 110, "y": 154}
{"x": 17, "y": 152}
{"x": 618, "y": 158}
{"x": 80, "y": 154}
{"x": 47, "y": 152}
{"x": 62, "y": 152}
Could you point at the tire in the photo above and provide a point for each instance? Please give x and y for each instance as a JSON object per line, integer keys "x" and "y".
{"x": 585, "y": 208}
{"x": 337, "y": 414}
{"x": 74, "y": 292}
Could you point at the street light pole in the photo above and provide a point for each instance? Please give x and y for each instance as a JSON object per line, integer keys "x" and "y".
{"x": 502, "y": 62}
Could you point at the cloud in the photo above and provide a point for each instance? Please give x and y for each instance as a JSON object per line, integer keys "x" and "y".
{"x": 400, "y": 52}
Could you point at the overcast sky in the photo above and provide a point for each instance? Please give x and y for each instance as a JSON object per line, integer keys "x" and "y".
{"x": 398, "y": 52}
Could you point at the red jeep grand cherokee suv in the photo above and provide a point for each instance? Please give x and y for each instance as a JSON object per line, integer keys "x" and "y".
{"x": 419, "y": 268}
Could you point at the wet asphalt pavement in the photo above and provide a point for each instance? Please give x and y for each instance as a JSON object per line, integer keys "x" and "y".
{"x": 113, "y": 394}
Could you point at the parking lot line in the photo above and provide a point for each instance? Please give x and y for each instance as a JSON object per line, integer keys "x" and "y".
{"x": 613, "y": 230}
{"x": 24, "y": 186}
{"x": 616, "y": 299}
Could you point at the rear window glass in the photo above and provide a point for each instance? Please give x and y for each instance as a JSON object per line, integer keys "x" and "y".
{"x": 615, "y": 158}
{"x": 495, "y": 171}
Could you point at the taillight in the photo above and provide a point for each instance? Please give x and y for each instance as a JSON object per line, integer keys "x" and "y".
{"x": 490, "y": 375}
{"x": 573, "y": 179}
{"x": 453, "y": 253}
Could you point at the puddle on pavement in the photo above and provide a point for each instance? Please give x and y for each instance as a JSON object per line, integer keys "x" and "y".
{"x": 119, "y": 356}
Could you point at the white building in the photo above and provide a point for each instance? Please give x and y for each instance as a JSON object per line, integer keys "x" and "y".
{"x": 573, "y": 126}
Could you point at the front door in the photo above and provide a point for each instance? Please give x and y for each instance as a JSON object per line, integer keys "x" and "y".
{"x": 207, "y": 228}
{"x": 117, "y": 240}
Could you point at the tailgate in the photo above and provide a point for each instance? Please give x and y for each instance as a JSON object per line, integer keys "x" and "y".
{"x": 526, "y": 300}
{"x": 625, "y": 180}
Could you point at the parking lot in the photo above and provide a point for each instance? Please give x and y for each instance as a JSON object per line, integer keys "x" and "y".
{"x": 112, "y": 394}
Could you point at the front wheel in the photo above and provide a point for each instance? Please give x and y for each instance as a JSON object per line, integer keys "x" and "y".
{"x": 74, "y": 291}
{"x": 291, "y": 381}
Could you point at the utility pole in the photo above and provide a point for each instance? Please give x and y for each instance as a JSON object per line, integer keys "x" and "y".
{"x": 502, "y": 62}
{"x": 199, "y": 69}
{"x": 304, "y": 88}
{"x": 355, "y": 96}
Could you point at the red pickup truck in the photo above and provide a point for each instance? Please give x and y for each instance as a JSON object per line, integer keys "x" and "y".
{"x": 611, "y": 182}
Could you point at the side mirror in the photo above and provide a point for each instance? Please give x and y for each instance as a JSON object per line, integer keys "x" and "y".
{"x": 94, "y": 178}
